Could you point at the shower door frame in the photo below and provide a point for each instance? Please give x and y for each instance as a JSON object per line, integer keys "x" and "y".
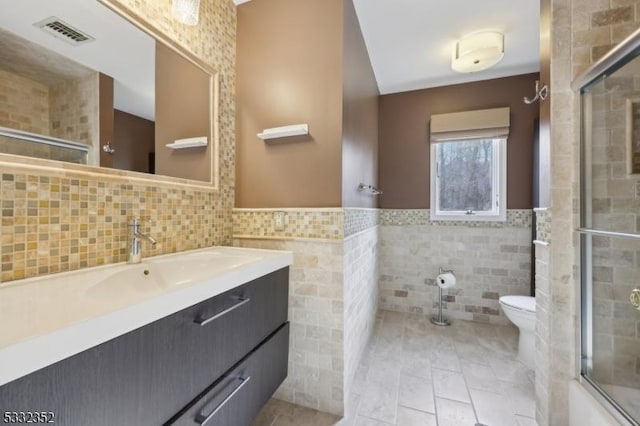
{"x": 615, "y": 59}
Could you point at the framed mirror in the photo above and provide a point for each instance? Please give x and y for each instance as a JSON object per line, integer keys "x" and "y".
{"x": 87, "y": 84}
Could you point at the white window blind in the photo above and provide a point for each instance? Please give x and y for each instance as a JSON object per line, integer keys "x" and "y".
{"x": 478, "y": 124}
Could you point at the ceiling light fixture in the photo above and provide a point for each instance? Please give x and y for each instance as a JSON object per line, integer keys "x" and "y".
{"x": 478, "y": 51}
{"x": 186, "y": 11}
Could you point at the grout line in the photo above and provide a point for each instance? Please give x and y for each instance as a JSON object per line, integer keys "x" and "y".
{"x": 433, "y": 388}
{"x": 452, "y": 400}
{"x": 376, "y": 420}
{"x": 466, "y": 385}
{"x": 417, "y": 409}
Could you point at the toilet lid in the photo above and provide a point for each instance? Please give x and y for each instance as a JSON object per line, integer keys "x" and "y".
{"x": 525, "y": 303}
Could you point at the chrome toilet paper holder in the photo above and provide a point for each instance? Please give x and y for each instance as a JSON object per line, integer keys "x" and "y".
{"x": 439, "y": 319}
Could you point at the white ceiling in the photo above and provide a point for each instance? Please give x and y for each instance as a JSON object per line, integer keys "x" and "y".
{"x": 120, "y": 50}
{"x": 410, "y": 41}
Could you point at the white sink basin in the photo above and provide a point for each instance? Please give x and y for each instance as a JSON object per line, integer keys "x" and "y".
{"x": 188, "y": 268}
{"x": 48, "y": 318}
{"x": 165, "y": 272}
{"x": 125, "y": 279}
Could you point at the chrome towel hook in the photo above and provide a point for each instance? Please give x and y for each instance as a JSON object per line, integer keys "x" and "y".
{"x": 541, "y": 94}
{"x": 369, "y": 188}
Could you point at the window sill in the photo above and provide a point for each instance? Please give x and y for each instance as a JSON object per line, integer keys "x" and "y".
{"x": 468, "y": 217}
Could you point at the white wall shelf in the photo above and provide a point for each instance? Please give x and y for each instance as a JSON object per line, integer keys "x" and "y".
{"x": 188, "y": 143}
{"x": 285, "y": 131}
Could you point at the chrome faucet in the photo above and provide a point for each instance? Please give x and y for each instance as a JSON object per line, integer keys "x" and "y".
{"x": 135, "y": 237}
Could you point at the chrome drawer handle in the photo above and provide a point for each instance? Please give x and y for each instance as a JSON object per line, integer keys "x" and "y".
{"x": 203, "y": 321}
{"x": 202, "y": 420}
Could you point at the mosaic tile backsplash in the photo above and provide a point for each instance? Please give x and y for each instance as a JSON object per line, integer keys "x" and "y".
{"x": 358, "y": 220}
{"x": 325, "y": 224}
{"x": 64, "y": 220}
{"x": 55, "y": 224}
{"x": 543, "y": 225}
{"x": 336, "y": 223}
{"x": 515, "y": 219}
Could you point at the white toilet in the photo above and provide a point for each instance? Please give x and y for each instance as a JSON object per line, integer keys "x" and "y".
{"x": 521, "y": 310}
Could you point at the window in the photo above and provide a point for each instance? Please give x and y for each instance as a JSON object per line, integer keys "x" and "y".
{"x": 468, "y": 180}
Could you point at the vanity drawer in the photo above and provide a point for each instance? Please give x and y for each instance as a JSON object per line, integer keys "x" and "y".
{"x": 194, "y": 347}
{"x": 238, "y": 396}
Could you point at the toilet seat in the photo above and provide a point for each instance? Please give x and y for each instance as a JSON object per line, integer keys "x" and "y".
{"x": 523, "y": 303}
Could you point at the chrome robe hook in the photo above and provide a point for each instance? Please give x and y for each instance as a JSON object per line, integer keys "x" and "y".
{"x": 541, "y": 94}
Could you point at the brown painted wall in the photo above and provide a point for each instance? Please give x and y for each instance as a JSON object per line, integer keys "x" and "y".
{"x": 182, "y": 111}
{"x": 289, "y": 71}
{"x": 404, "y": 137}
{"x": 105, "y": 112}
{"x": 134, "y": 139}
{"x": 359, "y": 116}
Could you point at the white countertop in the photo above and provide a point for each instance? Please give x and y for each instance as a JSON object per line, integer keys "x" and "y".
{"x": 49, "y": 318}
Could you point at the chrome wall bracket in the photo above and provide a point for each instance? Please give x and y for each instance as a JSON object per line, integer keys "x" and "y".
{"x": 108, "y": 148}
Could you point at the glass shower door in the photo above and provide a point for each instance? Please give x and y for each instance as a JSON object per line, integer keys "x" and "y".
{"x": 610, "y": 233}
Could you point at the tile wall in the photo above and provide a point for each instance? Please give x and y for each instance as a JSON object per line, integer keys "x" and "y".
{"x": 65, "y": 219}
{"x": 489, "y": 259}
{"x": 66, "y": 110}
{"x": 24, "y": 103}
{"x": 543, "y": 309}
{"x": 358, "y": 220}
{"x": 581, "y": 33}
{"x": 60, "y": 223}
{"x": 361, "y": 297}
{"x": 316, "y": 312}
{"x": 597, "y": 26}
{"x": 333, "y": 295}
{"x": 74, "y": 111}
{"x": 616, "y": 323}
{"x": 317, "y": 224}
{"x": 347, "y": 261}
{"x": 322, "y": 224}
{"x": 562, "y": 260}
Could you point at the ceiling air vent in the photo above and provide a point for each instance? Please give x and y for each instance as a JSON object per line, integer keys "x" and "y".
{"x": 60, "y": 29}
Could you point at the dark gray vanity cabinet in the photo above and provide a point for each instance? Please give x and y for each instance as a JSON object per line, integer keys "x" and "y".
{"x": 238, "y": 397}
{"x": 175, "y": 369}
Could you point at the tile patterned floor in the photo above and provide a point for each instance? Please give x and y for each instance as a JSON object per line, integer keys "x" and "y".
{"x": 415, "y": 373}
